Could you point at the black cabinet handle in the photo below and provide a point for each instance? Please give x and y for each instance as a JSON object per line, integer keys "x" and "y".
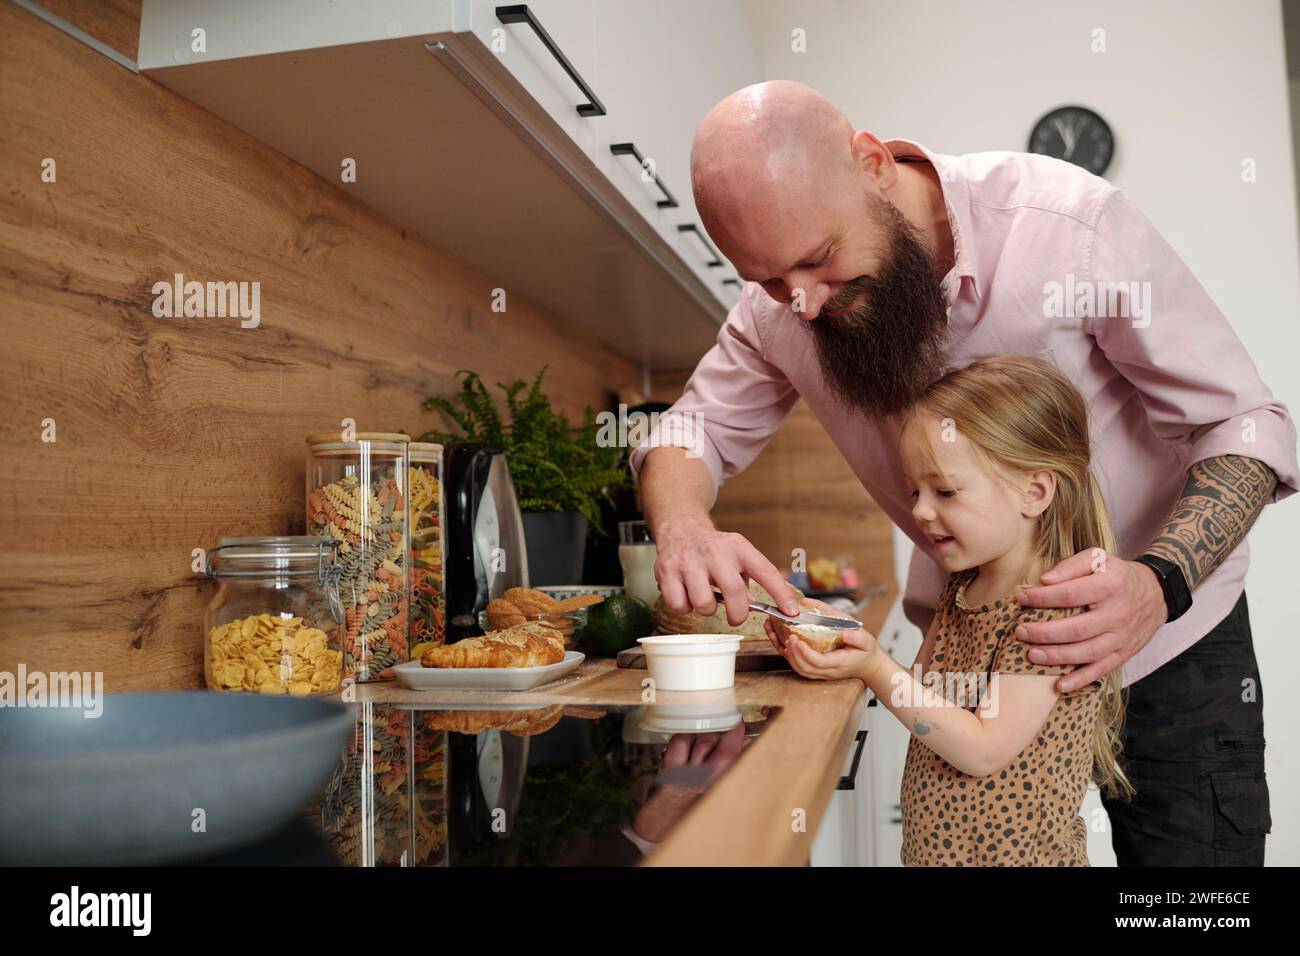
{"x": 849, "y": 780}
{"x": 519, "y": 13}
{"x": 628, "y": 149}
{"x": 731, "y": 282}
{"x": 691, "y": 227}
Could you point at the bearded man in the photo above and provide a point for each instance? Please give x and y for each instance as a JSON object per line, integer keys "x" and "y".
{"x": 872, "y": 268}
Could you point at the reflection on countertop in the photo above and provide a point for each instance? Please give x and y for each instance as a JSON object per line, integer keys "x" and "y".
{"x": 526, "y": 785}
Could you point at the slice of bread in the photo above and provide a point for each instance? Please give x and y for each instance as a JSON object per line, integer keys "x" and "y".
{"x": 822, "y": 639}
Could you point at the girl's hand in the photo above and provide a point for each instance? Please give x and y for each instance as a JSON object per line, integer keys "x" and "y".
{"x": 854, "y": 660}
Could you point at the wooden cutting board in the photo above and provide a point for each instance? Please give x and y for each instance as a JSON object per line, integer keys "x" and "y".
{"x": 752, "y": 656}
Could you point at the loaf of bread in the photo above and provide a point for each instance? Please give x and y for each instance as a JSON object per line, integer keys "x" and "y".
{"x": 518, "y": 605}
{"x": 751, "y": 629}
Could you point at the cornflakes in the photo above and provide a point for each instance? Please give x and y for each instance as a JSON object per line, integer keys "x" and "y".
{"x": 272, "y": 654}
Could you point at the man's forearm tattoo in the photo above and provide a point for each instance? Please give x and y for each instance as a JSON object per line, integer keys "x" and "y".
{"x": 1221, "y": 500}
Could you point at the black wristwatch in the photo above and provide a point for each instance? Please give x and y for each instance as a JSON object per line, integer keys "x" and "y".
{"x": 1178, "y": 596}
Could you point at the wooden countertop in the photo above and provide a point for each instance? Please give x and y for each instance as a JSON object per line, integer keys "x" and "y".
{"x": 751, "y": 815}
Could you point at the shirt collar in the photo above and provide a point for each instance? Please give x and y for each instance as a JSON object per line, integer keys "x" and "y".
{"x": 956, "y": 199}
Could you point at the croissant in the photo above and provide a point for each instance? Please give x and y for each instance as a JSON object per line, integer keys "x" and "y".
{"x": 531, "y": 644}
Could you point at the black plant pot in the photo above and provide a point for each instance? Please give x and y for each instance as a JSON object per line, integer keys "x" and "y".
{"x": 556, "y": 542}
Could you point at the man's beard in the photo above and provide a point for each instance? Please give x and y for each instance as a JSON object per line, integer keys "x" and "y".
{"x": 880, "y": 357}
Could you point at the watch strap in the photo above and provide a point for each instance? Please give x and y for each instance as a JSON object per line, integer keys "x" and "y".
{"x": 1173, "y": 585}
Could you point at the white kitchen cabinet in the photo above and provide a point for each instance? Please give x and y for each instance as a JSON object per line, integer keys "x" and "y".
{"x": 664, "y": 64}
{"x": 629, "y": 68}
{"x": 192, "y": 32}
{"x": 571, "y": 27}
{"x": 467, "y": 130}
{"x": 708, "y": 53}
{"x": 845, "y": 836}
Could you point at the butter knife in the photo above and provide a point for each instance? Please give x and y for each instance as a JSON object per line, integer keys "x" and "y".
{"x": 804, "y": 617}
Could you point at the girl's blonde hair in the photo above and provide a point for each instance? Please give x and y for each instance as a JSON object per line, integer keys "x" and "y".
{"x": 1023, "y": 414}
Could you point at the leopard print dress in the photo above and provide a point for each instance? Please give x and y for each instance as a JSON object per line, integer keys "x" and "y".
{"x": 1026, "y": 813}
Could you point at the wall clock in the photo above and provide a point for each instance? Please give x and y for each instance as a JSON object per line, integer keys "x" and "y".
{"x": 1077, "y": 135}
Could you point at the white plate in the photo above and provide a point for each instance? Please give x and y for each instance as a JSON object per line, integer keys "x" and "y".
{"x": 416, "y": 676}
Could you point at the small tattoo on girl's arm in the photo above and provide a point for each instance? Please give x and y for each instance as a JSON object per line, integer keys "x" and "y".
{"x": 921, "y": 727}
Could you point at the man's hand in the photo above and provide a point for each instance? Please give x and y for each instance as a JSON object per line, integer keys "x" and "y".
{"x": 1125, "y": 607}
{"x": 694, "y": 553}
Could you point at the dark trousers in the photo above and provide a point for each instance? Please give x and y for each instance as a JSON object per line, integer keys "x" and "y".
{"x": 1194, "y": 749}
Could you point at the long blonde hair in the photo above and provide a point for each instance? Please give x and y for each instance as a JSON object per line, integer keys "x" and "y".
{"x": 1023, "y": 414}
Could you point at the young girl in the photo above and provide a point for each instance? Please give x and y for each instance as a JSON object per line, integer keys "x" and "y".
{"x": 996, "y": 456}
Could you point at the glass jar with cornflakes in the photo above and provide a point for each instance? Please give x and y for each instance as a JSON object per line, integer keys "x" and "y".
{"x": 356, "y": 496}
{"x": 274, "y": 625}
{"x": 428, "y": 506}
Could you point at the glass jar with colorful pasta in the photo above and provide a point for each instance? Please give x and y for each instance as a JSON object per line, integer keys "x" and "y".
{"x": 427, "y": 510}
{"x": 356, "y": 495}
{"x": 273, "y": 625}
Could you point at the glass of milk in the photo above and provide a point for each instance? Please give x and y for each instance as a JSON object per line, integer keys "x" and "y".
{"x": 636, "y": 553}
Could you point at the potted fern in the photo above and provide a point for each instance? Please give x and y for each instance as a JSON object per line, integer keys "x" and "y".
{"x": 561, "y": 473}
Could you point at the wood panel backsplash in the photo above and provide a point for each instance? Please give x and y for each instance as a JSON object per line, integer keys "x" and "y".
{"x": 171, "y": 432}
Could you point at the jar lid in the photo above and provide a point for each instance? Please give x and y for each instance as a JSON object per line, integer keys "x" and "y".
{"x": 328, "y": 438}
{"x": 425, "y": 451}
{"x": 279, "y": 545}
{"x": 271, "y": 553}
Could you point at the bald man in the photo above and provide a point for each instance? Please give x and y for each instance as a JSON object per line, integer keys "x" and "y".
{"x": 872, "y": 268}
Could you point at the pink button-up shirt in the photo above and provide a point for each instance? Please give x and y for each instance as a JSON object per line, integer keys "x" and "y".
{"x": 1166, "y": 380}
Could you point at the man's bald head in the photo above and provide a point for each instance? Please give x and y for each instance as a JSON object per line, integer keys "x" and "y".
{"x": 780, "y": 176}
{"x": 773, "y": 139}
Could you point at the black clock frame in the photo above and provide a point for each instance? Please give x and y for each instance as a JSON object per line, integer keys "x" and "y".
{"x": 1074, "y": 108}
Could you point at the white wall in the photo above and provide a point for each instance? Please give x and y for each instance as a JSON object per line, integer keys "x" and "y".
{"x": 1190, "y": 88}
{"x": 1291, "y": 31}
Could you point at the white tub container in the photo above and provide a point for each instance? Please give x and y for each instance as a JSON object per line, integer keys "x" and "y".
{"x": 691, "y": 661}
{"x": 686, "y": 719}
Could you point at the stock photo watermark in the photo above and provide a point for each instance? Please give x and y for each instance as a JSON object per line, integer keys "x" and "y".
{"x": 78, "y": 909}
{"x": 208, "y": 300}
{"x": 73, "y": 690}
{"x": 1083, "y": 299}
{"x": 968, "y": 689}
{"x": 622, "y": 429}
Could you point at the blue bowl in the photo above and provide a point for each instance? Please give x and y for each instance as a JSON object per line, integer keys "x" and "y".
{"x": 160, "y": 777}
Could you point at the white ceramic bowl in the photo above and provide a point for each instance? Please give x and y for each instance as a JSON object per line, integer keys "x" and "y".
{"x": 691, "y": 661}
